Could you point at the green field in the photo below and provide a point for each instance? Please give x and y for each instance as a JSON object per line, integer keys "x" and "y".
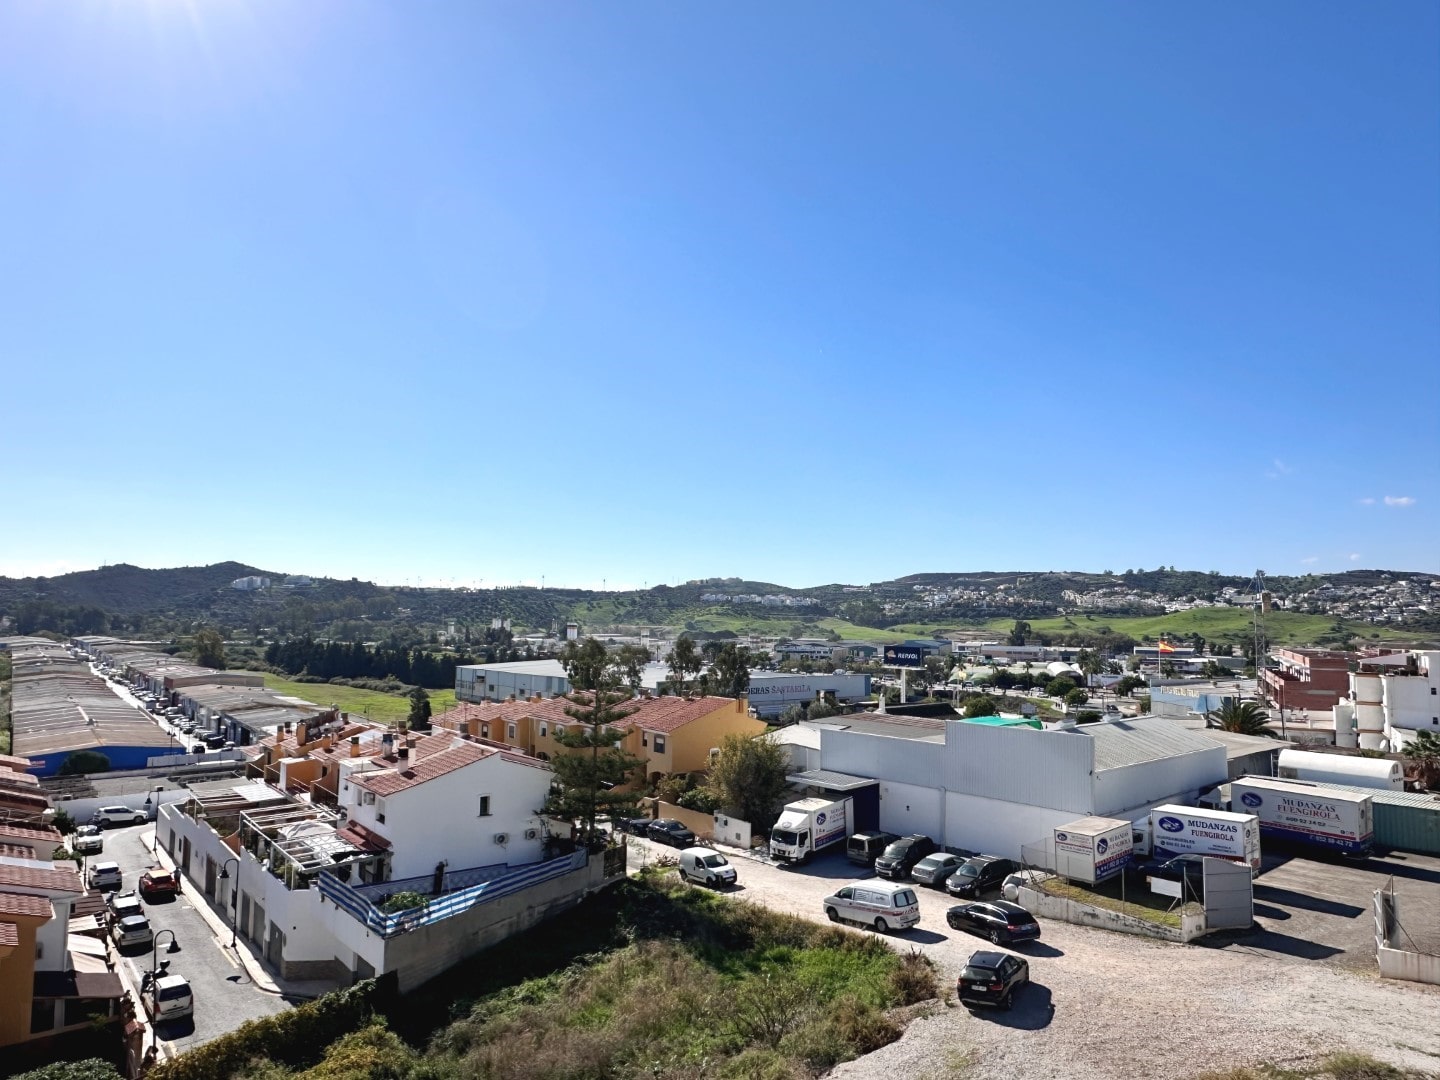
{"x": 387, "y": 708}
{"x": 1214, "y": 624}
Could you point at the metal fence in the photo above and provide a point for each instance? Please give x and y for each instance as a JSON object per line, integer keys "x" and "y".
{"x": 451, "y": 881}
{"x": 391, "y": 924}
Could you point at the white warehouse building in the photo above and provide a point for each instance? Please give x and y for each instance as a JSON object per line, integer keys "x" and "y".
{"x": 995, "y": 789}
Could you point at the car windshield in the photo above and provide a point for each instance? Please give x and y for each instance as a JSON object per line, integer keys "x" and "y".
{"x": 979, "y": 974}
{"x": 1018, "y": 918}
{"x": 782, "y": 836}
{"x": 898, "y": 849}
{"x": 715, "y": 860}
{"x": 969, "y": 870}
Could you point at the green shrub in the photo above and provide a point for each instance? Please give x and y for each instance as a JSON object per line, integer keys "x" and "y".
{"x": 913, "y": 980}
{"x": 404, "y": 901}
{"x": 89, "y": 1069}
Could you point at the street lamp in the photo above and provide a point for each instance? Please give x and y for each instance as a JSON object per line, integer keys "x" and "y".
{"x": 235, "y": 895}
{"x": 174, "y": 946}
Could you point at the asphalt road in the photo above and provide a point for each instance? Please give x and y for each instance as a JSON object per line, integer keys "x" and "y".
{"x": 225, "y": 996}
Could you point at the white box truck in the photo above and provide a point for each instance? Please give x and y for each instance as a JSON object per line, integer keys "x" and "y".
{"x": 1311, "y": 815}
{"x": 1186, "y": 830}
{"x": 810, "y": 825}
{"x": 1092, "y": 849}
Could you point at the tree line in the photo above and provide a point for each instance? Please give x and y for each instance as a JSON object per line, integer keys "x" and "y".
{"x": 356, "y": 660}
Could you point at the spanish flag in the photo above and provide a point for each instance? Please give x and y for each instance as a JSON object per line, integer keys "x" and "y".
{"x": 1165, "y": 647}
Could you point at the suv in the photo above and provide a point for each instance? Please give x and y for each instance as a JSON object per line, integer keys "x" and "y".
{"x": 133, "y": 930}
{"x": 991, "y": 978}
{"x": 117, "y": 815}
{"x": 902, "y": 855}
{"x": 168, "y": 998}
{"x": 669, "y": 831}
{"x": 980, "y": 875}
{"x": 122, "y": 904}
{"x": 88, "y": 840}
{"x": 105, "y": 875}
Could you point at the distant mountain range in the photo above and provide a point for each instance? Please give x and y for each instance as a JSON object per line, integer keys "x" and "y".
{"x": 134, "y": 598}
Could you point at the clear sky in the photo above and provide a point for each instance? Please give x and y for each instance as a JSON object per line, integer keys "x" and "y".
{"x": 641, "y": 292}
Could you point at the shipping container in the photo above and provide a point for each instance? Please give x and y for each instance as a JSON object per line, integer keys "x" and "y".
{"x": 1312, "y": 815}
{"x": 1092, "y": 849}
{"x": 1189, "y": 830}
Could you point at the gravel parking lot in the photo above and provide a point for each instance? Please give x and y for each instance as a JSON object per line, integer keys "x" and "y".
{"x": 1113, "y": 1007}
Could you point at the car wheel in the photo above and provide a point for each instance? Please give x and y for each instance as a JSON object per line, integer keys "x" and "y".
{"x": 832, "y": 914}
{"x": 994, "y": 937}
{"x": 139, "y": 819}
{"x": 1008, "y": 1002}
{"x": 881, "y": 926}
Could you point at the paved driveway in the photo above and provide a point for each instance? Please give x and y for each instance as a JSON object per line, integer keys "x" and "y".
{"x": 225, "y": 996}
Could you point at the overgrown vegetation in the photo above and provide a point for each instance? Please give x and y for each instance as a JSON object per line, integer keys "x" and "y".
{"x": 651, "y": 978}
{"x": 1342, "y": 1066}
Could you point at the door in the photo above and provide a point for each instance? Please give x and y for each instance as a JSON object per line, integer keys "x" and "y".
{"x": 209, "y": 877}
{"x": 275, "y": 947}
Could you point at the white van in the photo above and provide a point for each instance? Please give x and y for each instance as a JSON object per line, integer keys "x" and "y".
{"x": 169, "y": 998}
{"x": 706, "y": 866}
{"x": 881, "y": 904}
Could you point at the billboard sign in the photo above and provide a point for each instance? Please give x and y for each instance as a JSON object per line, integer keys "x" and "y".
{"x": 904, "y": 656}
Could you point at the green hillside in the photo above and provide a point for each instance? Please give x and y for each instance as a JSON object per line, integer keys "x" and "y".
{"x": 1214, "y": 624}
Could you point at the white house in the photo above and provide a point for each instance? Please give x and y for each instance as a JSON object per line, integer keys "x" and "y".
{"x": 1395, "y": 695}
{"x": 450, "y": 799}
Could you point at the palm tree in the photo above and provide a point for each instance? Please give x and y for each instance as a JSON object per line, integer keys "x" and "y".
{"x": 1424, "y": 751}
{"x": 1240, "y": 717}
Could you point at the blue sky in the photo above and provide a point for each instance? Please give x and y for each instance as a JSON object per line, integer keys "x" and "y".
{"x": 643, "y": 292}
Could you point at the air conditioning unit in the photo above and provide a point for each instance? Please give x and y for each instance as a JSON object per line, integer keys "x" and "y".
{"x": 368, "y": 798}
{"x": 502, "y": 838}
{"x": 532, "y": 834}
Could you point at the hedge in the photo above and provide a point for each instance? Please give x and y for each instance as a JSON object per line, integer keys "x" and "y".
{"x": 296, "y": 1038}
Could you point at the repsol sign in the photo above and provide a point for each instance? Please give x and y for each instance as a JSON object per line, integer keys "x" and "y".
{"x": 905, "y": 656}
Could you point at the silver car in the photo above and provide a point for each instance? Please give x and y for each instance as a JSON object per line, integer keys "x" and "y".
{"x": 934, "y": 869}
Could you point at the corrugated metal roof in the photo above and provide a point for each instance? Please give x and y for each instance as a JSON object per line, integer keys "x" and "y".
{"x": 1119, "y": 743}
{"x": 833, "y": 781}
{"x": 1427, "y": 799}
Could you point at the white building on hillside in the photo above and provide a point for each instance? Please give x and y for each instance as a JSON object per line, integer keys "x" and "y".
{"x": 1394, "y": 695}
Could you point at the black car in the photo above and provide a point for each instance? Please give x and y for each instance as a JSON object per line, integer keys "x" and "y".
{"x": 992, "y": 978}
{"x": 635, "y": 826}
{"x": 979, "y": 876}
{"x": 1189, "y": 869}
{"x": 669, "y": 831}
{"x": 999, "y": 920}
{"x": 901, "y": 856}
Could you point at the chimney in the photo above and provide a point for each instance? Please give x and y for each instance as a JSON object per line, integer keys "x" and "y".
{"x": 387, "y": 744}
{"x": 410, "y": 744}
{"x": 301, "y": 730}
{"x": 354, "y": 745}
{"x": 537, "y": 697}
{"x": 404, "y": 755}
{"x": 510, "y": 698}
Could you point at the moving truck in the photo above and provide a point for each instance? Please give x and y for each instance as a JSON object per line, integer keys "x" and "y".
{"x": 810, "y": 825}
{"x": 1092, "y": 849}
{"x": 1190, "y": 830}
{"x": 1311, "y": 815}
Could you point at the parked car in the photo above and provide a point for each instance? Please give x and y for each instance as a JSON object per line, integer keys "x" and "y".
{"x": 876, "y": 903}
{"x": 705, "y": 866}
{"x": 157, "y": 881}
{"x": 902, "y": 855}
{"x": 999, "y": 920}
{"x": 167, "y": 998}
{"x": 132, "y": 931}
{"x": 992, "y": 978}
{"x": 215, "y": 742}
{"x": 980, "y": 875}
{"x": 107, "y": 816}
{"x": 934, "y": 870}
{"x": 122, "y": 904}
{"x": 105, "y": 875}
{"x": 188, "y": 727}
{"x": 865, "y": 847}
{"x": 88, "y": 840}
{"x": 635, "y": 826}
{"x": 669, "y": 831}
{"x": 199, "y": 748}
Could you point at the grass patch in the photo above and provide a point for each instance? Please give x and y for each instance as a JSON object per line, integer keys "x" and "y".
{"x": 1342, "y": 1066}
{"x": 387, "y": 708}
{"x": 1126, "y": 897}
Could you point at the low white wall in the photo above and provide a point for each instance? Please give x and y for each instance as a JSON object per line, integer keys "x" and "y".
{"x": 732, "y": 831}
{"x": 1412, "y": 966}
{"x": 1073, "y": 911}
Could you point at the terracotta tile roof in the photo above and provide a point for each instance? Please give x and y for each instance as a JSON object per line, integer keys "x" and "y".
{"x": 26, "y": 877}
{"x": 27, "y": 832}
{"x": 9, "y": 935}
{"x": 435, "y": 763}
{"x": 661, "y": 714}
{"x": 10, "y": 761}
{"x": 22, "y": 780}
{"x": 20, "y": 904}
{"x": 361, "y": 837}
{"x": 21, "y": 851}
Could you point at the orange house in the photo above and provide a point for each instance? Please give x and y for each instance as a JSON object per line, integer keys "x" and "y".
{"x": 671, "y": 734}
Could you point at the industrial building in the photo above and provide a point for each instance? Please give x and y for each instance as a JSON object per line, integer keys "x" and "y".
{"x": 998, "y": 788}
{"x": 59, "y": 707}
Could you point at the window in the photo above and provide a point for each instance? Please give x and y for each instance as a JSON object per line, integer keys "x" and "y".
{"x": 542, "y": 731}
{"x": 484, "y": 806}
{"x": 510, "y": 731}
{"x": 380, "y": 811}
{"x": 659, "y": 744}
